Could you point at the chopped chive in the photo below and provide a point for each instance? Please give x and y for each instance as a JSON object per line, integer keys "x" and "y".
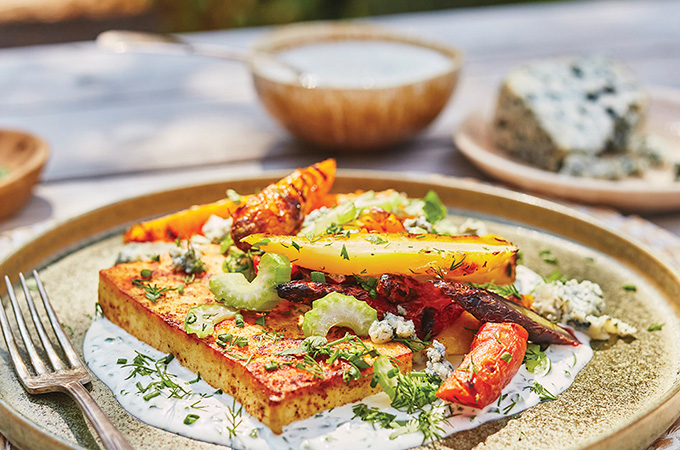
{"x": 191, "y": 418}
{"x": 151, "y": 395}
{"x": 271, "y": 365}
{"x": 238, "y": 320}
{"x": 260, "y": 321}
{"x": 655, "y": 327}
{"x": 121, "y": 361}
{"x": 630, "y": 288}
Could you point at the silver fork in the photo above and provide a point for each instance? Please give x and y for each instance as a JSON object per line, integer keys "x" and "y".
{"x": 62, "y": 377}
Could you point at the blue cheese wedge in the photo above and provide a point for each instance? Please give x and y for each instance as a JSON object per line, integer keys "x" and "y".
{"x": 551, "y": 109}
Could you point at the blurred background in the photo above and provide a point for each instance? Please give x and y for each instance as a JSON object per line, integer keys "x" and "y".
{"x": 29, "y": 22}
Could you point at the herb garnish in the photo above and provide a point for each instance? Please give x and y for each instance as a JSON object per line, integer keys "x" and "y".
{"x": 349, "y": 349}
{"x": 334, "y": 229}
{"x": 433, "y": 208}
{"x": 368, "y": 284}
{"x": 375, "y": 239}
{"x": 630, "y": 288}
{"x": 144, "y": 365}
{"x": 373, "y": 415}
{"x": 655, "y": 327}
{"x": 152, "y": 291}
{"x": 238, "y": 321}
{"x": 536, "y": 361}
{"x": 507, "y": 290}
{"x": 191, "y": 418}
{"x": 415, "y": 345}
{"x": 343, "y": 253}
{"x": 414, "y": 392}
{"x": 543, "y": 393}
{"x": 234, "y": 419}
{"x": 547, "y": 257}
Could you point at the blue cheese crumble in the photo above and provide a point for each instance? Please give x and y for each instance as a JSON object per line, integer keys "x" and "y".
{"x": 143, "y": 251}
{"x": 580, "y": 304}
{"x": 418, "y": 225}
{"x": 216, "y": 228}
{"x": 187, "y": 260}
{"x": 437, "y": 364}
{"x": 392, "y": 326}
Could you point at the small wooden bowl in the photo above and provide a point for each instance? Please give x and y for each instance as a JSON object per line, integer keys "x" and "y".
{"x": 352, "y": 118}
{"x": 22, "y": 158}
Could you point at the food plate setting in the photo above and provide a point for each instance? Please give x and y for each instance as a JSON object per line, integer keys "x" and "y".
{"x": 624, "y": 394}
{"x": 264, "y": 239}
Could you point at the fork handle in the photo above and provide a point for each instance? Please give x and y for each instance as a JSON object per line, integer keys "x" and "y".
{"x": 110, "y": 436}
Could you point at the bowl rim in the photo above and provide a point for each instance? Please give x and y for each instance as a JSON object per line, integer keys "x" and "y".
{"x": 299, "y": 34}
{"x": 36, "y": 160}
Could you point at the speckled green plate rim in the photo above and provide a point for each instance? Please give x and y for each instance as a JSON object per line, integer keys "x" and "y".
{"x": 459, "y": 194}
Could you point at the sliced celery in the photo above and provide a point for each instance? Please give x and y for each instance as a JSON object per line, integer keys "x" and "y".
{"x": 338, "y": 310}
{"x": 386, "y": 374}
{"x": 203, "y": 318}
{"x": 343, "y": 213}
{"x": 259, "y": 295}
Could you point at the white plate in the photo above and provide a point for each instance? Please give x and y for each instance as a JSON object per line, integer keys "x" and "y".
{"x": 656, "y": 192}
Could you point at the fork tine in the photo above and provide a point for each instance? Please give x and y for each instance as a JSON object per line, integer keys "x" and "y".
{"x": 18, "y": 362}
{"x": 55, "y": 360}
{"x": 66, "y": 345}
{"x": 36, "y": 360}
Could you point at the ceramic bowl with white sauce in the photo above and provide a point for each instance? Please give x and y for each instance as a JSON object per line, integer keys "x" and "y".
{"x": 356, "y": 86}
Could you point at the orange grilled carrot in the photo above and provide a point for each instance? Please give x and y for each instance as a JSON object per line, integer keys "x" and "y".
{"x": 182, "y": 224}
{"x": 375, "y": 219}
{"x": 307, "y": 185}
{"x": 495, "y": 356}
{"x": 281, "y": 207}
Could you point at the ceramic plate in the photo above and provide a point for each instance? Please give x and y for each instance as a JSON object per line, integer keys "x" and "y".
{"x": 656, "y": 192}
{"x": 625, "y": 398}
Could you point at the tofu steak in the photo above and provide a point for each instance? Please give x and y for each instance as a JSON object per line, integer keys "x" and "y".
{"x": 276, "y": 397}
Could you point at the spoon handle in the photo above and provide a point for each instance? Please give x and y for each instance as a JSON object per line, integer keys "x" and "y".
{"x": 122, "y": 41}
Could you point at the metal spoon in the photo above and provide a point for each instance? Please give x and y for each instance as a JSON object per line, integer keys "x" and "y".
{"x": 123, "y": 41}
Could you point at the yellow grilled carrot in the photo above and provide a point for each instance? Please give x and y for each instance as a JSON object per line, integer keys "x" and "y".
{"x": 475, "y": 259}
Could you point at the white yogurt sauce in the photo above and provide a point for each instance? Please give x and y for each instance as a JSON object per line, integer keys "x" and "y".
{"x": 357, "y": 64}
{"x": 105, "y": 344}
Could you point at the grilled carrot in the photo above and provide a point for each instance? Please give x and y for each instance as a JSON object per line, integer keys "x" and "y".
{"x": 281, "y": 207}
{"x": 183, "y": 224}
{"x": 495, "y": 356}
{"x": 306, "y": 186}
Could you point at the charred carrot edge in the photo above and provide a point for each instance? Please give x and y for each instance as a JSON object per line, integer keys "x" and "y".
{"x": 310, "y": 184}
{"x": 189, "y": 221}
{"x": 280, "y": 208}
{"x": 495, "y": 356}
{"x": 183, "y": 223}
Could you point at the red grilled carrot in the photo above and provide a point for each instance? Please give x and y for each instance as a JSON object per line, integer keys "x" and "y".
{"x": 495, "y": 356}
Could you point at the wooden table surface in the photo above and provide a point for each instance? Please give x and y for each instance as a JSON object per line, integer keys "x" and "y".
{"x": 123, "y": 125}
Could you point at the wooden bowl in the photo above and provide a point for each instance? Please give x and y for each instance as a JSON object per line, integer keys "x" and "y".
{"x": 22, "y": 158}
{"x": 347, "y": 117}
